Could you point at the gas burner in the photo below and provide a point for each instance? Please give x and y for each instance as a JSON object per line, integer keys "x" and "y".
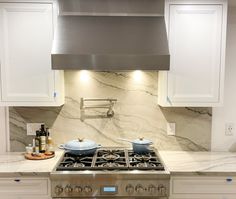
{"x": 70, "y": 164}
{"x": 66, "y": 164}
{"x": 111, "y": 165}
{"x": 145, "y": 164}
{"x": 111, "y": 156}
{"x": 143, "y": 157}
{"x": 79, "y": 165}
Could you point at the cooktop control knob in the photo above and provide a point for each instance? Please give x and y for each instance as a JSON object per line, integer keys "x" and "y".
{"x": 68, "y": 189}
{"x": 78, "y": 189}
{"x": 139, "y": 188}
{"x": 58, "y": 190}
{"x": 162, "y": 190}
{"x": 129, "y": 189}
{"x": 87, "y": 189}
{"x": 151, "y": 189}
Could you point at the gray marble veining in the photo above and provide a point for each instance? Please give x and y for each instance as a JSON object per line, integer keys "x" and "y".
{"x": 14, "y": 164}
{"x": 136, "y": 114}
{"x": 199, "y": 163}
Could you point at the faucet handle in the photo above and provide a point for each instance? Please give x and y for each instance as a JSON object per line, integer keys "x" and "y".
{"x": 80, "y": 139}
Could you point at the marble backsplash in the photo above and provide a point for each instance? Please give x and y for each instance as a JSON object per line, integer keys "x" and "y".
{"x": 136, "y": 114}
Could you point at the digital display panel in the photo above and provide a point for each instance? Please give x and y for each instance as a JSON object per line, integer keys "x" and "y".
{"x": 109, "y": 189}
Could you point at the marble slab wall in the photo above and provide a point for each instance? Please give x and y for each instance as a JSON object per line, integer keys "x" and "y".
{"x": 136, "y": 114}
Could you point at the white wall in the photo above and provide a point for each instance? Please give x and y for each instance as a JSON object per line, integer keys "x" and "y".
{"x": 226, "y": 114}
{"x": 4, "y": 139}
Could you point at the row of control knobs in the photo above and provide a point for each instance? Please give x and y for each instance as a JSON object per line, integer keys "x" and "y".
{"x": 130, "y": 189}
{"x": 160, "y": 190}
{"x": 69, "y": 189}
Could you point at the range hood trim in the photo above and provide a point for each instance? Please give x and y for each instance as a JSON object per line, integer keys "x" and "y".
{"x": 110, "y": 62}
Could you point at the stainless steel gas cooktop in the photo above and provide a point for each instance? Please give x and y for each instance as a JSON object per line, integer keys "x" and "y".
{"x": 111, "y": 159}
{"x": 111, "y": 173}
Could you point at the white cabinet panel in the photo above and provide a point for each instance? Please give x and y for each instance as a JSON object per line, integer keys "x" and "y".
{"x": 26, "y": 34}
{"x": 35, "y": 188}
{"x": 193, "y": 187}
{"x": 203, "y": 186}
{"x": 23, "y": 186}
{"x": 195, "y": 46}
{"x": 196, "y": 34}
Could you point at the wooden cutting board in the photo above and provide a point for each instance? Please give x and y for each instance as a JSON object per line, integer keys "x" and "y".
{"x": 41, "y": 156}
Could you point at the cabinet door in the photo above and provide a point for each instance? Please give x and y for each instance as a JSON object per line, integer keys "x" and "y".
{"x": 24, "y": 186}
{"x": 195, "y": 39}
{"x": 25, "y": 46}
{"x": 202, "y": 187}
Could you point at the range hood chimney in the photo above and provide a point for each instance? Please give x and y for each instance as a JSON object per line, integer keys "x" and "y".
{"x": 110, "y": 35}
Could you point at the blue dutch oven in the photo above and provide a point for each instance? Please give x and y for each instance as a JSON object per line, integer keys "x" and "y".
{"x": 80, "y": 147}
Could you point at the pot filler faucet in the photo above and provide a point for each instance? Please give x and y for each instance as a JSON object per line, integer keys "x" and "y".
{"x": 109, "y": 106}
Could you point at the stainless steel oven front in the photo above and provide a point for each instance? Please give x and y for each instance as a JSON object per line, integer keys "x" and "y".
{"x": 114, "y": 184}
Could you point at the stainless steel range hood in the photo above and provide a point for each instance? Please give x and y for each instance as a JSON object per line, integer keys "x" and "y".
{"x": 111, "y": 35}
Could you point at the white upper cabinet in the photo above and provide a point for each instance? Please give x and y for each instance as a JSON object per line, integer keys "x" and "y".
{"x": 197, "y": 37}
{"x": 26, "y": 34}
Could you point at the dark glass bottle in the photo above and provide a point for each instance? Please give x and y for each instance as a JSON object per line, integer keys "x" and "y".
{"x": 42, "y": 139}
{"x": 37, "y": 142}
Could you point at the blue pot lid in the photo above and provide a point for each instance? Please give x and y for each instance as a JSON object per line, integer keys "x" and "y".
{"x": 80, "y": 144}
{"x": 142, "y": 141}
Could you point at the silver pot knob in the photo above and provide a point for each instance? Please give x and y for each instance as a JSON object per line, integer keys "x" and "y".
{"x": 151, "y": 189}
{"x": 78, "y": 189}
{"x": 58, "y": 190}
{"x": 129, "y": 189}
{"x": 87, "y": 189}
{"x": 139, "y": 188}
{"x": 68, "y": 189}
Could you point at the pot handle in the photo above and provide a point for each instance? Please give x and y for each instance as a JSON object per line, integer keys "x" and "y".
{"x": 61, "y": 146}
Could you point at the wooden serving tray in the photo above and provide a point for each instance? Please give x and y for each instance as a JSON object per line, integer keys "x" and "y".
{"x": 41, "y": 156}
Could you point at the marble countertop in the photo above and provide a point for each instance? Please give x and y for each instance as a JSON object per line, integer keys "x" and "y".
{"x": 176, "y": 162}
{"x": 199, "y": 163}
{"x": 15, "y": 164}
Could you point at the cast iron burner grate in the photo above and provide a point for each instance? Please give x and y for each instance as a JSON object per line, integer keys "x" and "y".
{"x": 111, "y": 159}
{"x": 73, "y": 162}
{"x": 144, "y": 161}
